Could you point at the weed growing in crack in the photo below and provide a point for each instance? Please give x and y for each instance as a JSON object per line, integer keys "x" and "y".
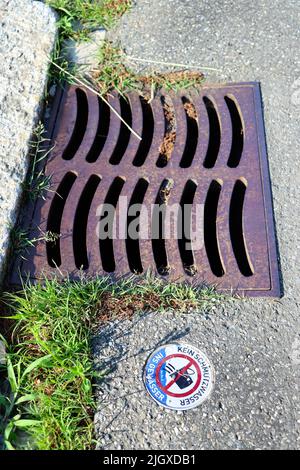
{"x": 37, "y": 183}
{"x": 21, "y": 242}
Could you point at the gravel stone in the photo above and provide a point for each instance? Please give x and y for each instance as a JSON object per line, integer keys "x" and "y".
{"x": 27, "y": 35}
{"x": 253, "y": 344}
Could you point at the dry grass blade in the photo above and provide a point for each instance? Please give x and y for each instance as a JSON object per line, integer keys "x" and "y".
{"x": 80, "y": 82}
{"x": 170, "y": 64}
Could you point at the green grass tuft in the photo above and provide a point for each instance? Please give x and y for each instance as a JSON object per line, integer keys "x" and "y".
{"x": 113, "y": 74}
{"x": 51, "y": 352}
{"x": 77, "y": 18}
{"x": 37, "y": 183}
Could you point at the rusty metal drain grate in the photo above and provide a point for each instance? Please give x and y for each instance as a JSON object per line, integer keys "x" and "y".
{"x": 204, "y": 150}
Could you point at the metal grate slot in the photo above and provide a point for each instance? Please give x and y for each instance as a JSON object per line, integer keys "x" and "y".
{"x": 214, "y": 134}
{"x": 237, "y": 133}
{"x": 184, "y": 222}
{"x": 211, "y": 237}
{"x": 147, "y": 134}
{"x": 204, "y": 150}
{"x": 237, "y": 230}
{"x": 102, "y": 132}
{"x": 124, "y": 135}
{"x": 79, "y": 127}
{"x": 81, "y": 220}
{"x": 133, "y": 221}
{"x": 158, "y": 227}
{"x": 192, "y": 133}
{"x": 106, "y": 225}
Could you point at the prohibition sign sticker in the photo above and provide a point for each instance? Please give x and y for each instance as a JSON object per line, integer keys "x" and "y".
{"x": 179, "y": 376}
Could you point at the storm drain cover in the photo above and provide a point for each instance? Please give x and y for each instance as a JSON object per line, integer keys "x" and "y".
{"x": 190, "y": 201}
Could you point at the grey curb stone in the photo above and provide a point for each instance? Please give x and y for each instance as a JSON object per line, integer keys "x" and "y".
{"x": 27, "y": 36}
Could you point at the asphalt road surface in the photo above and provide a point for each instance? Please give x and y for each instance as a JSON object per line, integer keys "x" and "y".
{"x": 253, "y": 344}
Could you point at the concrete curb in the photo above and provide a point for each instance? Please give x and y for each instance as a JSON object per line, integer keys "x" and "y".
{"x": 27, "y": 36}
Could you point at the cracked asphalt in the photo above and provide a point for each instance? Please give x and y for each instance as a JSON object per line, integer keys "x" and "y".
{"x": 253, "y": 344}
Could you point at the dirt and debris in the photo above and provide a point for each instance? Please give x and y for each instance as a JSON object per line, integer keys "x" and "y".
{"x": 169, "y": 114}
{"x": 191, "y": 270}
{"x": 167, "y": 145}
{"x": 126, "y": 306}
{"x": 190, "y": 110}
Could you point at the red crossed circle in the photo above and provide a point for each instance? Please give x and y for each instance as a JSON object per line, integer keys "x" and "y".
{"x": 165, "y": 388}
